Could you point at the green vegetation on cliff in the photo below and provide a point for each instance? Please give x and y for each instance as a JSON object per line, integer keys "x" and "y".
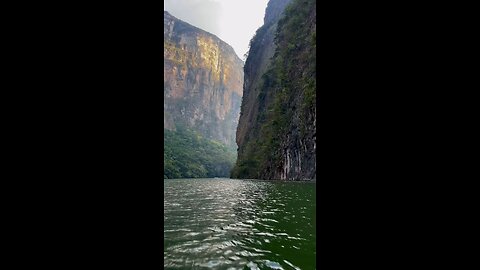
{"x": 189, "y": 155}
{"x": 287, "y": 92}
{"x": 203, "y": 80}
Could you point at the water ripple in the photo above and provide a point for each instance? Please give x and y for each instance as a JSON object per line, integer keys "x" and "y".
{"x": 238, "y": 224}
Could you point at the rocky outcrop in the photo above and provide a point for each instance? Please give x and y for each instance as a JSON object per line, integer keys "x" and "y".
{"x": 276, "y": 134}
{"x": 262, "y": 47}
{"x": 203, "y": 79}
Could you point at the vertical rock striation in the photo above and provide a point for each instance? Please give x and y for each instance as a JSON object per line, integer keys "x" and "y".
{"x": 277, "y": 128}
{"x": 203, "y": 79}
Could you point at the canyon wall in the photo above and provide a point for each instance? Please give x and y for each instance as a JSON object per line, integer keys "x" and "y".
{"x": 276, "y": 134}
{"x": 203, "y": 79}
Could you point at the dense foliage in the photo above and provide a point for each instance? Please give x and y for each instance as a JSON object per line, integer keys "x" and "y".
{"x": 287, "y": 88}
{"x": 189, "y": 155}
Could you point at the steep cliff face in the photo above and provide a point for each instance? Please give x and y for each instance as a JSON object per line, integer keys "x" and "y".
{"x": 277, "y": 129}
{"x": 203, "y": 79}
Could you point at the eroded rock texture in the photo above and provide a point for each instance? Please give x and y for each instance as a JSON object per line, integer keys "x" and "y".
{"x": 203, "y": 79}
{"x": 276, "y": 133}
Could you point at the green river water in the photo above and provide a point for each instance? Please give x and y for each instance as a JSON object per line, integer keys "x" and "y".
{"x": 239, "y": 224}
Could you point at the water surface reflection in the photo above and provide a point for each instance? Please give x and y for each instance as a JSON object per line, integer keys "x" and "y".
{"x": 238, "y": 224}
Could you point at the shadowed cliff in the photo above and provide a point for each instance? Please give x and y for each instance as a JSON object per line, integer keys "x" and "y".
{"x": 277, "y": 128}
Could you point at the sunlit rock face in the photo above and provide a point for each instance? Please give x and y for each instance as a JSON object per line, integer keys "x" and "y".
{"x": 203, "y": 80}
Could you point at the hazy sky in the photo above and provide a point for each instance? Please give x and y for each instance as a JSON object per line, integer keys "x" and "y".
{"x": 233, "y": 21}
